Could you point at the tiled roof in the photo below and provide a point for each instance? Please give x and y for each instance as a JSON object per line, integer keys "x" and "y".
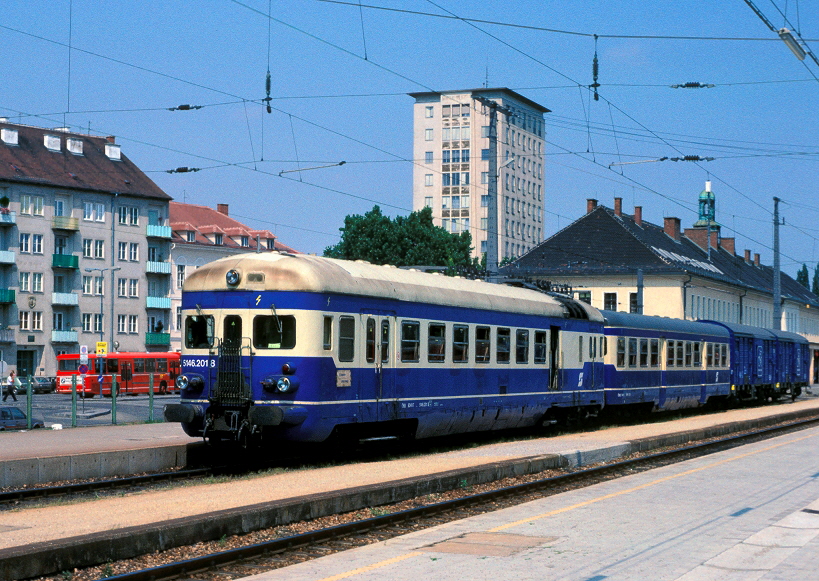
{"x": 603, "y": 243}
{"x": 204, "y": 220}
{"x": 30, "y": 161}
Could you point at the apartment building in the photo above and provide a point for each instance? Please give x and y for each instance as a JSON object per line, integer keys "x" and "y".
{"x": 84, "y": 246}
{"x": 451, "y": 165}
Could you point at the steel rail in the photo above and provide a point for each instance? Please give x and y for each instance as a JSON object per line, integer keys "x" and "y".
{"x": 198, "y": 564}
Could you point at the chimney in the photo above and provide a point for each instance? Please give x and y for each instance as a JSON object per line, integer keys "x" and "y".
{"x": 638, "y": 216}
{"x": 671, "y": 227}
{"x": 756, "y": 258}
{"x": 591, "y": 204}
{"x": 222, "y": 209}
{"x": 747, "y": 256}
{"x": 728, "y": 244}
{"x": 618, "y": 206}
{"x": 111, "y": 139}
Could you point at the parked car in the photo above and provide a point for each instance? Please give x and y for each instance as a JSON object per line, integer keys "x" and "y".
{"x": 13, "y": 418}
{"x": 38, "y": 385}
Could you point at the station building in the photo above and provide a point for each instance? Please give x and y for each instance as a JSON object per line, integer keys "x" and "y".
{"x": 200, "y": 235}
{"x": 692, "y": 273}
{"x": 451, "y": 169}
{"x": 84, "y": 241}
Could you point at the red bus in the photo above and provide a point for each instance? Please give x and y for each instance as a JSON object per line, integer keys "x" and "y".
{"x": 131, "y": 370}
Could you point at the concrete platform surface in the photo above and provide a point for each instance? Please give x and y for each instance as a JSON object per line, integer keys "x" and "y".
{"x": 210, "y": 510}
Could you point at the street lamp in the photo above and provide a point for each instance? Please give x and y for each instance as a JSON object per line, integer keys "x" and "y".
{"x": 102, "y": 272}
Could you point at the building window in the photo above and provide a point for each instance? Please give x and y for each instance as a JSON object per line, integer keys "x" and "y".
{"x": 87, "y": 211}
{"x": 87, "y": 285}
{"x": 428, "y": 112}
{"x": 37, "y": 243}
{"x": 485, "y": 201}
{"x": 180, "y": 276}
{"x": 133, "y": 287}
{"x": 87, "y": 247}
{"x": 446, "y": 110}
{"x": 86, "y": 322}
{"x": 99, "y": 285}
{"x": 428, "y": 179}
{"x": 485, "y": 131}
{"x": 122, "y": 250}
{"x": 190, "y": 236}
{"x": 99, "y": 249}
{"x": 37, "y": 205}
{"x": 485, "y": 155}
{"x": 610, "y": 301}
{"x": 98, "y": 323}
{"x": 37, "y": 282}
{"x": 584, "y": 296}
{"x": 133, "y": 323}
{"x": 632, "y": 303}
{"x": 99, "y": 211}
{"x": 60, "y": 244}
{"x": 133, "y": 253}
{"x": 25, "y": 242}
{"x": 428, "y": 157}
{"x": 25, "y": 204}
{"x": 25, "y": 321}
{"x": 25, "y": 282}
{"x": 217, "y": 239}
{"x": 122, "y": 287}
{"x": 121, "y": 323}
{"x": 427, "y": 134}
{"x": 428, "y": 201}
{"x": 245, "y": 241}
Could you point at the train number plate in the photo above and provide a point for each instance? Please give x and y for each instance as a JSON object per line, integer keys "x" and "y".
{"x": 344, "y": 378}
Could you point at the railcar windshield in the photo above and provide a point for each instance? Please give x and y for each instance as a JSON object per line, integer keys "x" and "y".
{"x": 199, "y": 332}
{"x": 68, "y": 364}
{"x": 274, "y": 332}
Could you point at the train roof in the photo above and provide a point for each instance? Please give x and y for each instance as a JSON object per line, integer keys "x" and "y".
{"x": 633, "y": 321}
{"x": 761, "y": 332}
{"x": 306, "y": 273}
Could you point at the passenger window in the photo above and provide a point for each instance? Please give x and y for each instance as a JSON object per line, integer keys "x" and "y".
{"x": 328, "y": 333}
{"x": 580, "y": 348}
{"x": 688, "y": 353}
{"x": 482, "y": 344}
{"x": 680, "y": 350}
{"x": 199, "y": 331}
{"x": 150, "y": 366}
{"x": 369, "y": 341}
{"x": 632, "y": 352}
{"x": 274, "y": 332}
{"x": 709, "y": 355}
{"x": 460, "y": 343}
{"x": 162, "y": 366}
{"x": 113, "y": 365}
{"x": 503, "y": 345}
{"x": 604, "y": 346}
{"x": 697, "y": 354}
{"x": 655, "y": 352}
{"x": 522, "y": 346}
{"x": 724, "y": 349}
{"x": 541, "y": 347}
{"x": 346, "y": 338}
{"x": 669, "y": 355}
{"x": 643, "y": 352}
{"x": 410, "y": 341}
{"x": 621, "y": 351}
{"x": 139, "y": 366}
{"x": 436, "y": 344}
{"x": 385, "y": 341}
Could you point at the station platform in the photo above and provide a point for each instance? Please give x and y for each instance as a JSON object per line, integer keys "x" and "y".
{"x": 40, "y": 540}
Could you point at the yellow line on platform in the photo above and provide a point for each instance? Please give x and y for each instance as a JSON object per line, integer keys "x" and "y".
{"x": 370, "y": 567}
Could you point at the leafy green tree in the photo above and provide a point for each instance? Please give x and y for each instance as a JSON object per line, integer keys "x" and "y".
{"x": 815, "y": 287}
{"x": 406, "y": 241}
{"x": 802, "y": 277}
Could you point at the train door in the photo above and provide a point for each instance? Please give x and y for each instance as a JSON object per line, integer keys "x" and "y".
{"x": 126, "y": 376}
{"x": 379, "y": 360}
{"x": 555, "y": 382}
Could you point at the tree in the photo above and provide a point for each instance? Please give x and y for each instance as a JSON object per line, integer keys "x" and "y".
{"x": 802, "y": 277}
{"x": 815, "y": 287}
{"x": 406, "y": 241}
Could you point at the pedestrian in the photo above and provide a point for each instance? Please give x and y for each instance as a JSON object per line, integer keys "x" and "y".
{"x": 11, "y": 386}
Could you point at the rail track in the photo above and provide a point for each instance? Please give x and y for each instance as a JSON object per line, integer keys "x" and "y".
{"x": 289, "y": 550}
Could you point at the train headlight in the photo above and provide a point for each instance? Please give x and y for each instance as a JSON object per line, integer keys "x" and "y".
{"x": 182, "y": 382}
{"x": 232, "y": 277}
{"x": 284, "y": 385}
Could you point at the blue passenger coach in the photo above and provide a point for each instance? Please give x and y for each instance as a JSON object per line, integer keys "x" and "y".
{"x": 296, "y": 347}
{"x": 664, "y": 364}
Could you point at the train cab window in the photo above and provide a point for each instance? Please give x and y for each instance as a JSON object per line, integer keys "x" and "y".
{"x": 688, "y": 352}
{"x": 541, "y": 348}
{"x": 410, "y": 341}
{"x": 522, "y": 346}
{"x": 199, "y": 331}
{"x": 655, "y": 352}
{"x": 697, "y": 354}
{"x": 483, "y": 340}
{"x": 604, "y": 347}
{"x": 680, "y": 352}
{"x": 503, "y": 345}
{"x": 709, "y": 355}
{"x": 327, "y": 338}
{"x": 580, "y": 349}
{"x": 346, "y": 338}
{"x": 436, "y": 343}
{"x": 68, "y": 364}
{"x": 385, "y": 341}
{"x": 460, "y": 343}
{"x": 643, "y": 352}
{"x": 592, "y": 348}
{"x": 669, "y": 353}
{"x": 369, "y": 341}
{"x": 621, "y": 351}
{"x": 274, "y": 331}
{"x": 632, "y": 352}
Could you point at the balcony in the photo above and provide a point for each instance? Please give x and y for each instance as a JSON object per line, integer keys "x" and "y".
{"x": 65, "y": 261}
{"x": 65, "y": 299}
{"x": 7, "y": 297}
{"x": 158, "y": 303}
{"x": 154, "y": 267}
{"x": 6, "y": 257}
{"x": 7, "y": 336}
{"x": 65, "y": 223}
{"x": 64, "y": 337}
{"x": 157, "y": 339}
{"x": 8, "y": 219}
{"x": 155, "y": 231}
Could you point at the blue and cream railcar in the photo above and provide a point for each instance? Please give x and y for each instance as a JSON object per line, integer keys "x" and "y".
{"x": 296, "y": 347}
{"x": 766, "y": 363}
{"x": 664, "y": 364}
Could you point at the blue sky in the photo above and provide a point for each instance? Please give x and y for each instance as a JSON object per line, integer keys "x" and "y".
{"x": 341, "y": 73}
